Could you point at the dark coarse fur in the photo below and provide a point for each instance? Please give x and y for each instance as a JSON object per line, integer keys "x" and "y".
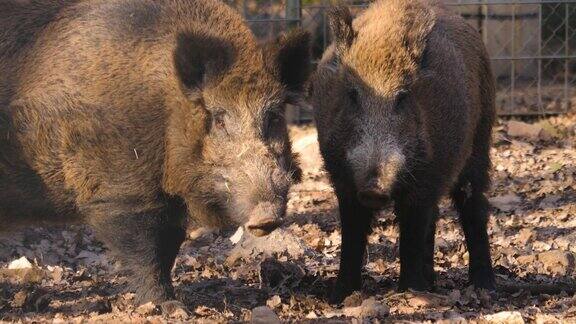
{"x": 131, "y": 115}
{"x": 404, "y": 106}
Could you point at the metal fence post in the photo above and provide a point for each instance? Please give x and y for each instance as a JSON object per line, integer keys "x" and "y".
{"x": 567, "y": 100}
{"x": 293, "y": 19}
{"x": 293, "y": 12}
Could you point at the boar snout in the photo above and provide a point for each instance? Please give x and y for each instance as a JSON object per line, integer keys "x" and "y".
{"x": 375, "y": 192}
{"x": 375, "y": 163}
{"x": 265, "y": 218}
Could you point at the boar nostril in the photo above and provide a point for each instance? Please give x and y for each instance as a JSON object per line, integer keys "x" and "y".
{"x": 265, "y": 218}
{"x": 264, "y": 228}
{"x": 373, "y": 198}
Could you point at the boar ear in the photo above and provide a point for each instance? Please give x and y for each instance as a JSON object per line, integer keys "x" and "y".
{"x": 201, "y": 60}
{"x": 289, "y": 58}
{"x": 340, "y": 20}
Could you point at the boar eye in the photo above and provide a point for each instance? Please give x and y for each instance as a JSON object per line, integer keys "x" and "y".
{"x": 353, "y": 95}
{"x": 271, "y": 121}
{"x": 310, "y": 90}
{"x": 218, "y": 120}
{"x": 401, "y": 97}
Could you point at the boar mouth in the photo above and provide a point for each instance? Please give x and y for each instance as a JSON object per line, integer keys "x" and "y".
{"x": 373, "y": 199}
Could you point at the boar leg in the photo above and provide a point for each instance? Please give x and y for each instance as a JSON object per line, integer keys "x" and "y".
{"x": 355, "y": 223}
{"x": 473, "y": 211}
{"x": 415, "y": 225}
{"x": 428, "y": 269}
{"x": 145, "y": 241}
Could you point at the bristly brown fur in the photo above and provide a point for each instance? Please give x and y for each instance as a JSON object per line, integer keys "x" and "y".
{"x": 132, "y": 115}
{"x": 391, "y": 40}
{"x": 340, "y": 21}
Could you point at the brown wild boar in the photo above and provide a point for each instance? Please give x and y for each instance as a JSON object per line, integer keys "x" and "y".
{"x": 404, "y": 106}
{"x": 131, "y": 115}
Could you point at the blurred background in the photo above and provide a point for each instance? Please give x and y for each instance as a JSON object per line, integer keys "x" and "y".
{"x": 532, "y": 45}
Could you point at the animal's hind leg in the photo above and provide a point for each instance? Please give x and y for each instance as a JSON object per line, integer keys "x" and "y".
{"x": 472, "y": 208}
{"x": 469, "y": 198}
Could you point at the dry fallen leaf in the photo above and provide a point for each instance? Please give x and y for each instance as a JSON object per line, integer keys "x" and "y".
{"x": 274, "y": 301}
{"x": 521, "y": 129}
{"x": 506, "y": 203}
{"x": 147, "y": 309}
{"x": 19, "y": 298}
{"x": 505, "y": 318}
{"x": 264, "y": 315}
{"x": 21, "y": 263}
{"x": 369, "y": 308}
{"x": 237, "y": 235}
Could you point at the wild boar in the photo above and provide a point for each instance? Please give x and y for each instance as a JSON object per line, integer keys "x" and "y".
{"x": 136, "y": 115}
{"x": 404, "y": 106}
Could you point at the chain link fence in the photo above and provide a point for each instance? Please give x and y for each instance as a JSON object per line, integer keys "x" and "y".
{"x": 532, "y": 45}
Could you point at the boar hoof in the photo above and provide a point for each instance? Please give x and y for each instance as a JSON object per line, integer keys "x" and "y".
{"x": 430, "y": 279}
{"x": 483, "y": 280}
{"x": 156, "y": 295}
{"x": 340, "y": 292}
{"x": 417, "y": 284}
{"x": 174, "y": 307}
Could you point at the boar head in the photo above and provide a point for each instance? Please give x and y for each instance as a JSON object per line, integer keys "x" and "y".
{"x": 240, "y": 167}
{"x": 365, "y": 98}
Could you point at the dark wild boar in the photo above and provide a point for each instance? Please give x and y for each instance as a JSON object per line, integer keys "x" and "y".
{"x": 404, "y": 105}
{"x": 135, "y": 115}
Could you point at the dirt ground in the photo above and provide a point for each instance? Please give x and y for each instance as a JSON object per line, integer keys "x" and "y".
{"x": 65, "y": 276}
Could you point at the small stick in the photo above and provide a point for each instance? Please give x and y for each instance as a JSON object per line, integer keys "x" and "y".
{"x": 539, "y": 289}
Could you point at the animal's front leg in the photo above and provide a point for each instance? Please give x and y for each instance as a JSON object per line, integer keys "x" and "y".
{"x": 146, "y": 241}
{"x": 415, "y": 221}
{"x": 428, "y": 269}
{"x": 355, "y": 226}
